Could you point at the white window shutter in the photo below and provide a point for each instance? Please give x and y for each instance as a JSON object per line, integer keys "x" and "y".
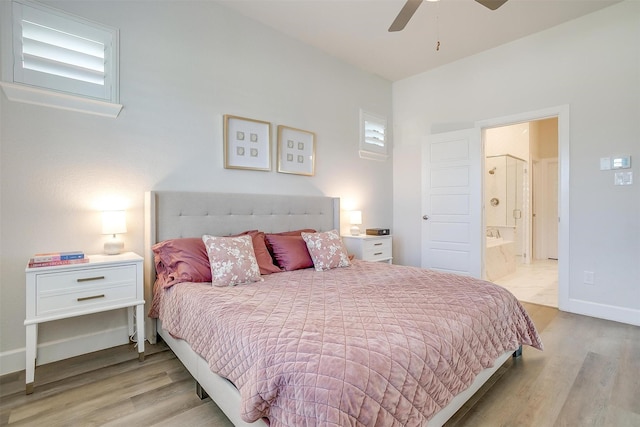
{"x": 56, "y": 51}
{"x": 52, "y": 51}
{"x": 374, "y": 141}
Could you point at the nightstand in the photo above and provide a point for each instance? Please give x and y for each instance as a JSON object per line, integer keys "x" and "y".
{"x": 106, "y": 282}
{"x": 369, "y": 248}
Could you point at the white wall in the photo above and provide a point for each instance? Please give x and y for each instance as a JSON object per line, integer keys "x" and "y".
{"x": 591, "y": 64}
{"x": 183, "y": 65}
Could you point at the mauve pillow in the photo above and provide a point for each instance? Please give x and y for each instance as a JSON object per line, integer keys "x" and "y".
{"x": 182, "y": 260}
{"x": 265, "y": 261}
{"x": 290, "y": 252}
{"x": 286, "y": 233}
{"x": 295, "y": 232}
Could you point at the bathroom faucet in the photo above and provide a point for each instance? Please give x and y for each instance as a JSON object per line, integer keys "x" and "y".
{"x": 493, "y": 232}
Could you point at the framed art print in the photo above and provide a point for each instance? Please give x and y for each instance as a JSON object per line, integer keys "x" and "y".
{"x": 296, "y": 151}
{"x": 247, "y": 143}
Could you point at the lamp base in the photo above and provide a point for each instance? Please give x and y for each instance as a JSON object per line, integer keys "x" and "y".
{"x": 113, "y": 246}
{"x": 355, "y": 230}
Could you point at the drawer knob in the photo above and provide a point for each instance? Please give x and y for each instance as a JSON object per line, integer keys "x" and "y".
{"x": 89, "y": 279}
{"x": 378, "y": 253}
{"x": 377, "y": 244}
{"x": 91, "y": 297}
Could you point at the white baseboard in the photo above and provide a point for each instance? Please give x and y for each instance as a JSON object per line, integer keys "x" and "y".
{"x": 604, "y": 311}
{"x": 12, "y": 361}
{"x": 52, "y": 351}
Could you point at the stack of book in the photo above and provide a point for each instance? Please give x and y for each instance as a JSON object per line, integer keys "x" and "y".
{"x": 57, "y": 258}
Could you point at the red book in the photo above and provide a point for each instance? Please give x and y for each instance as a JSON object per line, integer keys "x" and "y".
{"x": 56, "y": 256}
{"x": 59, "y": 262}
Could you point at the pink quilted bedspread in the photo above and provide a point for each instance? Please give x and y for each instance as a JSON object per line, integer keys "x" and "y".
{"x": 367, "y": 345}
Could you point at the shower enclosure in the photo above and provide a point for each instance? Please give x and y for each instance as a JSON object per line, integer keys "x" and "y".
{"x": 506, "y": 212}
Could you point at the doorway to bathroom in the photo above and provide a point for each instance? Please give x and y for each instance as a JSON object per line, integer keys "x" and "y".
{"x": 520, "y": 190}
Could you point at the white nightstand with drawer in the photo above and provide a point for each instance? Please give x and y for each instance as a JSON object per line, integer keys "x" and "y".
{"x": 106, "y": 282}
{"x": 369, "y": 248}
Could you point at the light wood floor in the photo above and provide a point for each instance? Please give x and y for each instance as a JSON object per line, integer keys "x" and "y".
{"x": 588, "y": 375}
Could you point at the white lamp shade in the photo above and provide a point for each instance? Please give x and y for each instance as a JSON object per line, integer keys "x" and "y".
{"x": 114, "y": 222}
{"x": 355, "y": 217}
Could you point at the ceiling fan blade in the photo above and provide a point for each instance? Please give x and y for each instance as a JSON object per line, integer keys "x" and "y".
{"x": 492, "y": 4}
{"x": 405, "y": 15}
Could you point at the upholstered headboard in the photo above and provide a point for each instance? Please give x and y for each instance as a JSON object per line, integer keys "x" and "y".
{"x": 173, "y": 214}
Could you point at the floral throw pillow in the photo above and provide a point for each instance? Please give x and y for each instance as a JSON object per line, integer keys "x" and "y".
{"x": 327, "y": 250}
{"x": 232, "y": 260}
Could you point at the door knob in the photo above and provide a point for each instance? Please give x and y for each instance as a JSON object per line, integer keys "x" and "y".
{"x": 425, "y": 217}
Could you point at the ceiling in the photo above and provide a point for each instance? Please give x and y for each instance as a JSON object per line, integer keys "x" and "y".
{"x": 356, "y": 30}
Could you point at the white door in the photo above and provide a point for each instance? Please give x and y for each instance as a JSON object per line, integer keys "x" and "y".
{"x": 552, "y": 209}
{"x": 545, "y": 195}
{"x": 452, "y": 202}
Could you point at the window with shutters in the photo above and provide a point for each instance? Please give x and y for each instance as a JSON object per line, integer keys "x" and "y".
{"x": 60, "y": 60}
{"x": 374, "y": 141}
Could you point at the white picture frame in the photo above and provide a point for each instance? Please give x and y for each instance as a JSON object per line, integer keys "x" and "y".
{"x": 296, "y": 151}
{"x": 247, "y": 143}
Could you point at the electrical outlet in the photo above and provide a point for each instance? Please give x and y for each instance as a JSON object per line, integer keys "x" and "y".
{"x": 589, "y": 277}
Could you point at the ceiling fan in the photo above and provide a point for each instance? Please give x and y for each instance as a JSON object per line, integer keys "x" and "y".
{"x": 411, "y": 6}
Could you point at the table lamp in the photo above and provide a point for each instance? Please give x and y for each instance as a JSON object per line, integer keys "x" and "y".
{"x": 114, "y": 223}
{"x": 355, "y": 218}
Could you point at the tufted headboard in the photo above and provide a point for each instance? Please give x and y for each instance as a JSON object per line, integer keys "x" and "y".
{"x": 173, "y": 214}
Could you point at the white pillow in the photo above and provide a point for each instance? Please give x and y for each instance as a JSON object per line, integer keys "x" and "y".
{"x": 232, "y": 259}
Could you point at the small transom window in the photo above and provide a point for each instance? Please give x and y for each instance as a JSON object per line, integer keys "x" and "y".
{"x": 56, "y": 51}
{"x": 374, "y": 140}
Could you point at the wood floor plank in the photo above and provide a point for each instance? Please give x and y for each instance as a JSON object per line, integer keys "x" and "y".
{"x": 626, "y": 389}
{"x": 165, "y": 396}
{"x": 99, "y": 416}
{"x": 49, "y": 376}
{"x": 80, "y": 391}
{"x": 65, "y": 387}
{"x": 182, "y": 399}
{"x": 87, "y": 398}
{"x": 621, "y": 418}
{"x": 206, "y": 415}
{"x": 545, "y": 394}
{"x": 587, "y": 401}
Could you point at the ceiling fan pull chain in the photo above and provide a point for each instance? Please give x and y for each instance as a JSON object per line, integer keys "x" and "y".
{"x": 438, "y": 26}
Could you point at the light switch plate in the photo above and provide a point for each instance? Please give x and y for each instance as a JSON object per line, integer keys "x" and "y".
{"x": 621, "y": 162}
{"x": 605, "y": 163}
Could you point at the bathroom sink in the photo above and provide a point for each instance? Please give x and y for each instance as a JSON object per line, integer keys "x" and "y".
{"x": 495, "y": 241}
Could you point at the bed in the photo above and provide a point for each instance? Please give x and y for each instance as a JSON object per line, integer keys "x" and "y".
{"x": 359, "y": 344}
